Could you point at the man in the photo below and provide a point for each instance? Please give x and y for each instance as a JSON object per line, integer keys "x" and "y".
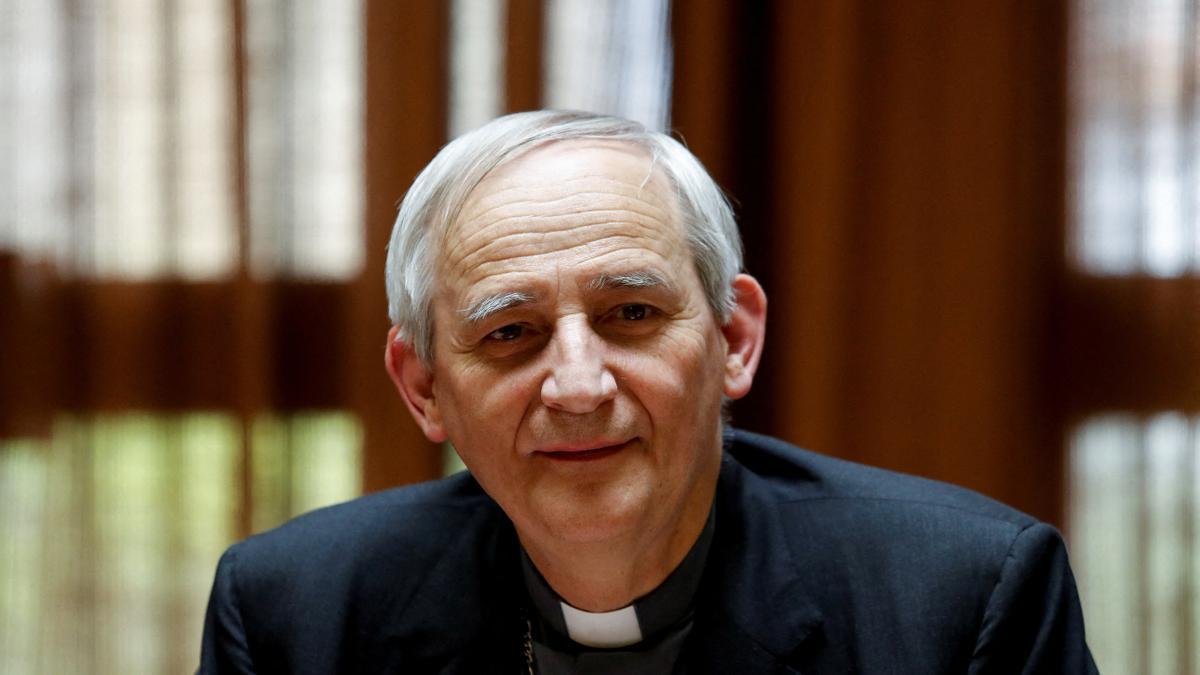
{"x": 569, "y": 313}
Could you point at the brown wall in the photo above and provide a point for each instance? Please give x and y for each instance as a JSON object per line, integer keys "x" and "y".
{"x": 898, "y": 172}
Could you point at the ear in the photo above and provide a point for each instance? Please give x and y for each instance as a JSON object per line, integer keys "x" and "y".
{"x": 744, "y": 335}
{"x": 415, "y": 383}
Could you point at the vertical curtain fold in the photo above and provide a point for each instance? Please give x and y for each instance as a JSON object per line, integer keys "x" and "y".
{"x": 897, "y": 169}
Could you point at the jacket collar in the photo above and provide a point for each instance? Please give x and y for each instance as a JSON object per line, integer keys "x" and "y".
{"x": 754, "y": 611}
{"x": 456, "y": 610}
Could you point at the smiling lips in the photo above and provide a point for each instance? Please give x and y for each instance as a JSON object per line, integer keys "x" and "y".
{"x": 585, "y": 451}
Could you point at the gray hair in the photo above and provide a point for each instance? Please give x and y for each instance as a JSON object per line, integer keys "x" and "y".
{"x": 439, "y": 192}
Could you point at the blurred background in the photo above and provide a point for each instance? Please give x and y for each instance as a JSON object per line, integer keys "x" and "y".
{"x": 978, "y": 224}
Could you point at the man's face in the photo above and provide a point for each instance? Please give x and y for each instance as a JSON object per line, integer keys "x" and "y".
{"x": 577, "y": 367}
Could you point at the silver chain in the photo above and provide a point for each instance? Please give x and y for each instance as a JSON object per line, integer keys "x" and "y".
{"x": 528, "y": 647}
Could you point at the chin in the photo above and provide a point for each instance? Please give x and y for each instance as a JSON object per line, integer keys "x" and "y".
{"x": 582, "y": 521}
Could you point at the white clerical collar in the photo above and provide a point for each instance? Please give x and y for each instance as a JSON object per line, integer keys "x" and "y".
{"x": 618, "y": 628}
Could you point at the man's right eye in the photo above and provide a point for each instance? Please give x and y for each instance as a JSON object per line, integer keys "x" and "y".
{"x": 507, "y": 333}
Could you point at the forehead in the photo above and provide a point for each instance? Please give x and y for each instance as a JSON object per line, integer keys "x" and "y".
{"x": 595, "y": 203}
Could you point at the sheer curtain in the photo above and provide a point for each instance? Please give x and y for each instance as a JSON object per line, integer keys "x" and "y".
{"x": 171, "y": 174}
{"x": 188, "y": 268}
{"x": 610, "y": 57}
{"x": 1135, "y": 199}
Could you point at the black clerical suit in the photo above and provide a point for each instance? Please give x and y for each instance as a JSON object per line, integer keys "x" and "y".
{"x": 816, "y": 566}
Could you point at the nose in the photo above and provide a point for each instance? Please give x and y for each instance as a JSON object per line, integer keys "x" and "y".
{"x": 578, "y": 380}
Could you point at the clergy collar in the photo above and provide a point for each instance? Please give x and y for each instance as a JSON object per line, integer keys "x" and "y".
{"x": 647, "y": 618}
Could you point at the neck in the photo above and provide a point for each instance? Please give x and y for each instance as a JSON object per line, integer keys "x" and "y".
{"x": 610, "y": 574}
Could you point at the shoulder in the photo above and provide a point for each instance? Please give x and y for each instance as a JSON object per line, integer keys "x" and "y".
{"x": 295, "y": 597}
{"x": 866, "y": 546}
{"x": 413, "y": 519}
{"x": 378, "y": 552}
{"x": 848, "y": 522}
{"x": 787, "y": 474}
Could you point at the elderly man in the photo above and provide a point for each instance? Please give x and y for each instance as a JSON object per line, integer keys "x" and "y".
{"x": 569, "y": 313}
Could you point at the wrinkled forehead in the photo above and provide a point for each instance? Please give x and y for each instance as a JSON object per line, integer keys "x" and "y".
{"x": 570, "y": 176}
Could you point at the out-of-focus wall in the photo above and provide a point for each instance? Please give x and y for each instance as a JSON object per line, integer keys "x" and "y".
{"x": 196, "y": 195}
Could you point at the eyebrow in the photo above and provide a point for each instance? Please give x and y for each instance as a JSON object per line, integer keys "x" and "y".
{"x": 494, "y": 304}
{"x": 490, "y": 305}
{"x": 636, "y": 279}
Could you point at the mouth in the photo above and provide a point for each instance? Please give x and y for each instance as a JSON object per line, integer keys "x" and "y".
{"x": 587, "y": 452}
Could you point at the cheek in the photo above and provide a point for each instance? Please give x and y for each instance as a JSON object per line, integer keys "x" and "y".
{"x": 483, "y": 408}
{"x": 681, "y": 378}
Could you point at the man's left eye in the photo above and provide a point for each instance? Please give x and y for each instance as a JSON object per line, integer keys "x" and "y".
{"x": 633, "y": 312}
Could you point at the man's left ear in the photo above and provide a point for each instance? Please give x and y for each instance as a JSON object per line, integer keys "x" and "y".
{"x": 744, "y": 335}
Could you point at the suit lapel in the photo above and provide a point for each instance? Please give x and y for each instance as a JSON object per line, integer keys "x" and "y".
{"x": 465, "y": 616}
{"x": 496, "y": 644}
{"x": 753, "y": 611}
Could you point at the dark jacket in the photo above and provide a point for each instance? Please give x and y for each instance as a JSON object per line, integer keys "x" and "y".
{"x": 817, "y": 566}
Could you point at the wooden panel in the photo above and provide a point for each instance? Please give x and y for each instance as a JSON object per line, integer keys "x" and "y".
{"x": 703, "y": 107}
{"x": 1131, "y": 344}
{"x": 908, "y": 176}
{"x": 953, "y": 276}
{"x": 720, "y": 110}
{"x": 405, "y": 125}
{"x": 808, "y": 237}
{"x": 171, "y": 346}
{"x": 30, "y": 344}
{"x": 523, "y": 71}
{"x": 309, "y": 351}
{"x": 251, "y": 356}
